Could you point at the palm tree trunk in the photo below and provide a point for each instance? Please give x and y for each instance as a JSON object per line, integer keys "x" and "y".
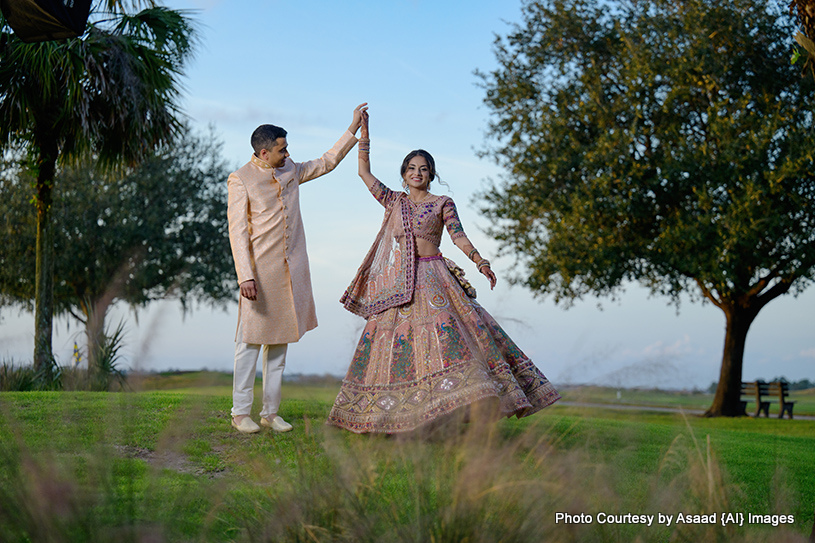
{"x": 727, "y": 401}
{"x": 44, "y": 293}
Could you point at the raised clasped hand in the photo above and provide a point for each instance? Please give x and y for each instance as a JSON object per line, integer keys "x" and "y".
{"x": 364, "y": 123}
{"x": 358, "y": 113}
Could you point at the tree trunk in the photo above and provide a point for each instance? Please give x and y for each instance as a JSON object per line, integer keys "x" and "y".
{"x": 727, "y": 401}
{"x": 44, "y": 293}
{"x": 95, "y": 315}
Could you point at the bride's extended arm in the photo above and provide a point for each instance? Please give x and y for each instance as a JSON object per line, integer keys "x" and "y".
{"x": 460, "y": 240}
{"x": 472, "y": 253}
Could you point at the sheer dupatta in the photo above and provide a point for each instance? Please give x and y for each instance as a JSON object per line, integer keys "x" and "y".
{"x": 387, "y": 275}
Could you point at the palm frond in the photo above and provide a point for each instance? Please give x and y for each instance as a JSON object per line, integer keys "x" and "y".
{"x": 113, "y": 91}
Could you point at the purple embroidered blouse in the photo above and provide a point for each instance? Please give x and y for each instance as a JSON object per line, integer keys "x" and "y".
{"x": 428, "y": 216}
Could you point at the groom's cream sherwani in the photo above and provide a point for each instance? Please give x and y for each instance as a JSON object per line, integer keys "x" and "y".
{"x": 269, "y": 244}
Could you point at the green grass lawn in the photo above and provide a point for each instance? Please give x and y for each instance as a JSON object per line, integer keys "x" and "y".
{"x": 163, "y": 464}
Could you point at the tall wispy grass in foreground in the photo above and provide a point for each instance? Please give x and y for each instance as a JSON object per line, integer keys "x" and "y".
{"x": 167, "y": 468}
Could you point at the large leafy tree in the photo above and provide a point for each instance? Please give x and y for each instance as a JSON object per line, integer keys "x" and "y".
{"x": 155, "y": 231}
{"x": 661, "y": 142}
{"x": 111, "y": 93}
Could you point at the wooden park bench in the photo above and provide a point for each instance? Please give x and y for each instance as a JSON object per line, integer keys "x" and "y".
{"x": 781, "y": 390}
{"x": 761, "y": 393}
{"x": 755, "y": 391}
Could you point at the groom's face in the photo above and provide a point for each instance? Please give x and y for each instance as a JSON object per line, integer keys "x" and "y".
{"x": 276, "y": 156}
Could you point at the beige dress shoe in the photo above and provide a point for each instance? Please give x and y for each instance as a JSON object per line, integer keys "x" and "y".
{"x": 277, "y": 424}
{"x": 246, "y": 426}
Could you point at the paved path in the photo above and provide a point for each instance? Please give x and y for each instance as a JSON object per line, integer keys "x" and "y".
{"x": 629, "y": 407}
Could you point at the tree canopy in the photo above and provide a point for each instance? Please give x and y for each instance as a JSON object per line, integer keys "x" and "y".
{"x": 151, "y": 232}
{"x": 660, "y": 142}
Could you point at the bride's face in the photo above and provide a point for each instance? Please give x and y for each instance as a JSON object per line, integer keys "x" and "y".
{"x": 417, "y": 174}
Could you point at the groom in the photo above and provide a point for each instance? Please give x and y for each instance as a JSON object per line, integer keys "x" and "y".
{"x": 269, "y": 248}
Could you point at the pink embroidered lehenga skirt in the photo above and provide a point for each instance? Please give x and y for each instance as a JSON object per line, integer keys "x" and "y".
{"x": 425, "y": 359}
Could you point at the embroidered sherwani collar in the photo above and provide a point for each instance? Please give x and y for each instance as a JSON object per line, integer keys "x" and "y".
{"x": 260, "y": 163}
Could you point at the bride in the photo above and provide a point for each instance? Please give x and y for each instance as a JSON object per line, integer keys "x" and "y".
{"x": 428, "y": 348}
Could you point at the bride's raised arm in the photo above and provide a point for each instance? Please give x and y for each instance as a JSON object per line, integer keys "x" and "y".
{"x": 365, "y": 153}
{"x": 382, "y": 193}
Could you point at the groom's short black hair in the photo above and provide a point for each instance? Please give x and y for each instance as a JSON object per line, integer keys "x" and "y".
{"x": 265, "y": 136}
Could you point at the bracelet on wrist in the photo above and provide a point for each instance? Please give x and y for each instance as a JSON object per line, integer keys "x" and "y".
{"x": 483, "y": 262}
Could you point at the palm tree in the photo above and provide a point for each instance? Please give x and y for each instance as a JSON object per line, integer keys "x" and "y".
{"x": 111, "y": 93}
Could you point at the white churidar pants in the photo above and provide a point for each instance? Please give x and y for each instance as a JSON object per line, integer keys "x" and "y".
{"x": 243, "y": 380}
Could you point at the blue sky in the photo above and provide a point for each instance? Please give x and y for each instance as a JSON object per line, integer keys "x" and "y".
{"x": 304, "y": 66}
